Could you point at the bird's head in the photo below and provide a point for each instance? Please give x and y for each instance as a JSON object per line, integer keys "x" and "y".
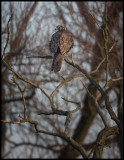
{"x": 60, "y": 27}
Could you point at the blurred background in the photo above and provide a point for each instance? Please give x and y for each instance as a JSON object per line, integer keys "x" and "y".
{"x": 30, "y": 31}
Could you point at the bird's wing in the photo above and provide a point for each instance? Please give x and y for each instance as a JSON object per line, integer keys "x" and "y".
{"x": 54, "y": 43}
{"x": 66, "y": 42}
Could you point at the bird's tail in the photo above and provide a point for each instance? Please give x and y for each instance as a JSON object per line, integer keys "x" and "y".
{"x": 57, "y": 62}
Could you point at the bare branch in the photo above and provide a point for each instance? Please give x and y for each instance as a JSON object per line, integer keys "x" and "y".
{"x": 108, "y": 106}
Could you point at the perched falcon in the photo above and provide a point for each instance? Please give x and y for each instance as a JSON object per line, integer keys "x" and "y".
{"x": 60, "y": 44}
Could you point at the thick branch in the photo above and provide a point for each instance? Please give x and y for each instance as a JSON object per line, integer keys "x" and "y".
{"x": 101, "y": 140}
{"x": 108, "y": 106}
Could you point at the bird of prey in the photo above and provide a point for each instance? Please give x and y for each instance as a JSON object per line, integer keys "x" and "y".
{"x": 60, "y": 44}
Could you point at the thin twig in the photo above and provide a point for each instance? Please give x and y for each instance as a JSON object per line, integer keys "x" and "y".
{"x": 22, "y": 93}
{"x": 97, "y": 107}
{"x": 5, "y": 121}
{"x": 98, "y": 66}
{"x": 64, "y": 82}
{"x": 7, "y": 36}
{"x": 97, "y": 22}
